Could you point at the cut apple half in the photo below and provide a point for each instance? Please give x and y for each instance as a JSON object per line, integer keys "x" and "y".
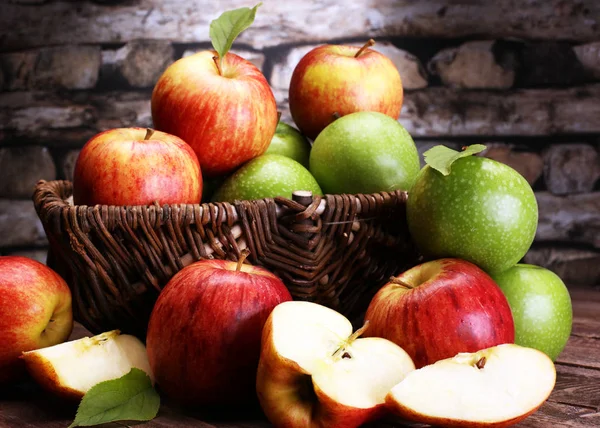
{"x": 72, "y": 368}
{"x": 314, "y": 371}
{"x": 494, "y": 387}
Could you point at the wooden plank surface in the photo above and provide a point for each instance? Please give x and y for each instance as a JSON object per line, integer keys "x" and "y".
{"x": 575, "y": 401}
{"x": 280, "y": 22}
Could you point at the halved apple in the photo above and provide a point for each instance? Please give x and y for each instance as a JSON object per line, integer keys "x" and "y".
{"x": 314, "y": 371}
{"x": 72, "y": 368}
{"x": 494, "y": 387}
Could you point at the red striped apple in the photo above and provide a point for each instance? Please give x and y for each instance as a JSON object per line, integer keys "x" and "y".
{"x": 226, "y": 112}
{"x": 440, "y": 308}
{"x": 335, "y": 80}
{"x": 136, "y": 166}
{"x": 35, "y": 311}
{"x": 203, "y": 338}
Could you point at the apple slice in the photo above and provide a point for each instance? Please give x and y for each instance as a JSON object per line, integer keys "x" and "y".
{"x": 72, "y": 368}
{"x": 314, "y": 371}
{"x": 494, "y": 387}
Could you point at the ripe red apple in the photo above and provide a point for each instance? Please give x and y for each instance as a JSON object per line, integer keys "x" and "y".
{"x": 204, "y": 333}
{"x": 35, "y": 311}
{"x": 333, "y": 80}
{"x": 440, "y": 308}
{"x": 227, "y": 115}
{"x": 136, "y": 166}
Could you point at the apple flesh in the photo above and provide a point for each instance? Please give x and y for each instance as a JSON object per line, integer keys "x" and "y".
{"x": 203, "y": 337}
{"x": 72, "y": 368}
{"x": 336, "y": 80}
{"x": 35, "y": 311}
{"x": 314, "y": 372}
{"x": 228, "y": 117}
{"x": 136, "y": 166}
{"x": 494, "y": 387}
{"x": 440, "y": 308}
{"x": 541, "y": 307}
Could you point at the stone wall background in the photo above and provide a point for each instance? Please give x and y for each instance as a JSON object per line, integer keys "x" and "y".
{"x": 522, "y": 76}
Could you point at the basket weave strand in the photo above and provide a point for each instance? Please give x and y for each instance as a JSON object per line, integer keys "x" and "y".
{"x": 336, "y": 250}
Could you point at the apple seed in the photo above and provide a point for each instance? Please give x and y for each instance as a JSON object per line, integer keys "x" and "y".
{"x": 481, "y": 363}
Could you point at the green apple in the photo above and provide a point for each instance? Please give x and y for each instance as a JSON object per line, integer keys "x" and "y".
{"x": 483, "y": 211}
{"x": 288, "y": 141}
{"x": 541, "y": 307}
{"x": 266, "y": 176}
{"x": 364, "y": 152}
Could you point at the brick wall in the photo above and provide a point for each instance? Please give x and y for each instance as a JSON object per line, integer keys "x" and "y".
{"x": 521, "y": 76}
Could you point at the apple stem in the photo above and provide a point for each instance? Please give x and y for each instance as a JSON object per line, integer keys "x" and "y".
{"x": 336, "y": 115}
{"x": 351, "y": 339}
{"x": 278, "y": 116}
{"x": 217, "y": 61}
{"x": 366, "y": 46}
{"x": 481, "y": 363}
{"x": 149, "y": 132}
{"x": 398, "y": 281}
{"x": 243, "y": 256}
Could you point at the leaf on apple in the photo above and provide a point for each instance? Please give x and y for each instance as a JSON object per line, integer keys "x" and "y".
{"x": 225, "y": 29}
{"x": 128, "y": 398}
{"x": 441, "y": 157}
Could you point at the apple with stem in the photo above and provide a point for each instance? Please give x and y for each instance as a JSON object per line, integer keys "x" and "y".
{"x": 217, "y": 101}
{"x": 204, "y": 333}
{"x": 335, "y": 80}
{"x": 493, "y": 387}
{"x": 136, "y": 166}
{"x": 314, "y": 372}
{"x": 440, "y": 308}
{"x": 35, "y": 311}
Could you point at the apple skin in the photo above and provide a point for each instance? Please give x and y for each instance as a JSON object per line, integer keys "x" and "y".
{"x": 266, "y": 176}
{"x": 288, "y": 141}
{"x": 364, "y": 152}
{"x": 35, "y": 311}
{"x": 447, "y": 306}
{"x": 121, "y": 167}
{"x": 483, "y": 211}
{"x": 541, "y": 307}
{"x": 227, "y": 119}
{"x": 203, "y": 338}
{"x": 329, "y": 79}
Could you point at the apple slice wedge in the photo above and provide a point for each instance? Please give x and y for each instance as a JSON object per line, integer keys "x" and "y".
{"x": 494, "y": 387}
{"x": 314, "y": 371}
{"x": 72, "y": 368}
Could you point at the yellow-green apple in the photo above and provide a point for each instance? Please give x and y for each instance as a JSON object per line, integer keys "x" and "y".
{"x": 136, "y": 166}
{"x": 288, "y": 141}
{"x": 71, "y": 369}
{"x": 228, "y": 114}
{"x": 364, "y": 152}
{"x": 494, "y": 387}
{"x": 203, "y": 338}
{"x": 267, "y": 176}
{"x": 478, "y": 209}
{"x": 336, "y": 80}
{"x": 541, "y": 307}
{"x": 314, "y": 372}
{"x": 440, "y": 308}
{"x": 35, "y": 311}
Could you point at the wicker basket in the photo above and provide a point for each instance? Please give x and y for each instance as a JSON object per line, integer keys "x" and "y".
{"x": 336, "y": 250}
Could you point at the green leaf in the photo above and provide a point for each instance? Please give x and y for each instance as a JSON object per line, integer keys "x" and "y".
{"x": 225, "y": 29}
{"x": 441, "y": 158}
{"x": 128, "y": 398}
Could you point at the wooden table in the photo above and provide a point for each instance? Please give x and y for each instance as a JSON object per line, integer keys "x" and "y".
{"x": 575, "y": 401}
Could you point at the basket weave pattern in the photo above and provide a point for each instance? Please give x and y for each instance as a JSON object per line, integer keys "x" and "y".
{"x": 336, "y": 250}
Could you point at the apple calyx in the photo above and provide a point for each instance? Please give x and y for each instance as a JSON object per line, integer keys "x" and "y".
{"x": 366, "y": 46}
{"x": 346, "y": 343}
{"x": 243, "y": 256}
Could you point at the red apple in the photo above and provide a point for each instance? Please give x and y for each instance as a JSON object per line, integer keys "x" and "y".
{"x": 333, "y": 80}
{"x": 35, "y": 311}
{"x": 136, "y": 166}
{"x": 204, "y": 333}
{"x": 440, "y": 308}
{"x": 227, "y": 115}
